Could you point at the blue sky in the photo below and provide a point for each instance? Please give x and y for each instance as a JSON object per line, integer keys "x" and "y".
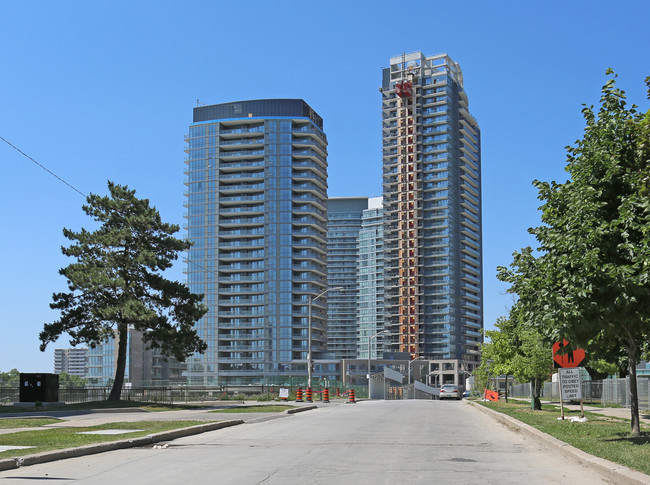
{"x": 105, "y": 89}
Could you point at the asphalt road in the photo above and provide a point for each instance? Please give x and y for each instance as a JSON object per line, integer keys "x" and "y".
{"x": 371, "y": 442}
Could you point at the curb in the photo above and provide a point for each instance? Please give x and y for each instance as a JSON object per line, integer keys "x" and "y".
{"x": 620, "y": 474}
{"x": 46, "y": 456}
{"x": 300, "y": 409}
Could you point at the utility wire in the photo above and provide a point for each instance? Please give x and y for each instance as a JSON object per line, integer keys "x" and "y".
{"x": 189, "y": 261}
{"x": 42, "y": 166}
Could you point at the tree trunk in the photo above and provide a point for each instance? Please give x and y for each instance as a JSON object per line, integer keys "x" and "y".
{"x": 506, "y": 395}
{"x": 535, "y": 403}
{"x": 634, "y": 392}
{"x": 120, "y": 367}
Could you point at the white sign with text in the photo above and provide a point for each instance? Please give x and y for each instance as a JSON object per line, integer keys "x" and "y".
{"x": 570, "y": 387}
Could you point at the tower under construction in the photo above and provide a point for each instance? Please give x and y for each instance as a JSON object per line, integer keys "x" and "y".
{"x": 433, "y": 302}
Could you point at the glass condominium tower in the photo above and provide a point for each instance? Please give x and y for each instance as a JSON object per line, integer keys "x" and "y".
{"x": 344, "y": 223}
{"x": 433, "y": 300}
{"x": 257, "y": 215}
{"x": 371, "y": 281}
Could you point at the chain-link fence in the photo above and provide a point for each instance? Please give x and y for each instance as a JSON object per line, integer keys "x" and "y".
{"x": 608, "y": 391}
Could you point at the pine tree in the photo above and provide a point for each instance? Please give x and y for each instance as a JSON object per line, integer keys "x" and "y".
{"x": 116, "y": 283}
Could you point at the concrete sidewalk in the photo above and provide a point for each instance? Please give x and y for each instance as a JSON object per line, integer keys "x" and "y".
{"x": 88, "y": 418}
{"x": 91, "y": 417}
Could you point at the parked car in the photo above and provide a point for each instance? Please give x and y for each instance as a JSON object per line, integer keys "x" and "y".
{"x": 449, "y": 391}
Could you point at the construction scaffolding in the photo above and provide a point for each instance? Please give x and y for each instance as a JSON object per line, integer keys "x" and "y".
{"x": 409, "y": 195}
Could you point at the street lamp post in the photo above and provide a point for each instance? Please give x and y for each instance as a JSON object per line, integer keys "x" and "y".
{"x": 309, "y": 358}
{"x": 408, "y": 381}
{"x": 370, "y": 337}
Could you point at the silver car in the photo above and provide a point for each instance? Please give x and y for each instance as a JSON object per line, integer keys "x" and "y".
{"x": 449, "y": 391}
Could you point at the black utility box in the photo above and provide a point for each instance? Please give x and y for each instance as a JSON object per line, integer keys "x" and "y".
{"x": 39, "y": 387}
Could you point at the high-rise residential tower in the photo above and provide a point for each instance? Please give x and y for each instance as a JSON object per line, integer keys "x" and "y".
{"x": 257, "y": 215}
{"x": 371, "y": 281}
{"x": 72, "y": 361}
{"x": 432, "y": 204}
{"x": 344, "y": 222}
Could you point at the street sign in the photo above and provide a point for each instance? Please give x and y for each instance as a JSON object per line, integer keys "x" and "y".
{"x": 570, "y": 387}
{"x": 572, "y": 358}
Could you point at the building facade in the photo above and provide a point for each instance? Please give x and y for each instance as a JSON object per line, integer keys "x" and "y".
{"x": 257, "y": 215}
{"x": 144, "y": 366}
{"x": 344, "y": 223}
{"x": 370, "y": 311}
{"x": 433, "y": 301}
{"x": 71, "y": 361}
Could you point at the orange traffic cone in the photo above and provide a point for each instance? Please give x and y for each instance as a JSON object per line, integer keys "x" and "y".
{"x": 299, "y": 394}
{"x": 351, "y": 396}
{"x": 309, "y": 394}
{"x": 326, "y": 395}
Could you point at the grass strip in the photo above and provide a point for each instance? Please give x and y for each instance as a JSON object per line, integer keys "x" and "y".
{"x": 102, "y": 405}
{"x": 278, "y": 408}
{"x": 35, "y": 422}
{"x": 61, "y": 438}
{"x": 602, "y": 436}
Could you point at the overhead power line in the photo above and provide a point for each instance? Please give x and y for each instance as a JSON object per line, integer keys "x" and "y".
{"x": 42, "y": 166}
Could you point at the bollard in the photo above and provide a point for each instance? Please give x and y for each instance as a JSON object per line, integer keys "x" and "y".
{"x": 326, "y": 395}
{"x": 299, "y": 394}
{"x": 309, "y": 394}
{"x": 351, "y": 396}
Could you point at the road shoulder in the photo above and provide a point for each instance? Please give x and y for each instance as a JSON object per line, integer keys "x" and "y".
{"x": 620, "y": 474}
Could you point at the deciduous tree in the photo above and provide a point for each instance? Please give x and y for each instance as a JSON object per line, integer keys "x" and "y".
{"x": 591, "y": 280}
{"x": 519, "y": 349}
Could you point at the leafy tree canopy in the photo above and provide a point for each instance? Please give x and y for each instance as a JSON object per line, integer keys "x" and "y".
{"x": 590, "y": 282}
{"x": 116, "y": 283}
{"x": 70, "y": 380}
{"x": 10, "y": 378}
{"x": 518, "y": 349}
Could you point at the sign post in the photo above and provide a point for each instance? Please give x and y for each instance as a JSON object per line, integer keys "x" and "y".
{"x": 568, "y": 363}
{"x": 570, "y": 387}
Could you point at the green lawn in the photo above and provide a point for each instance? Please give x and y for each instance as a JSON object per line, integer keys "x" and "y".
{"x": 60, "y": 438}
{"x": 6, "y": 423}
{"x": 601, "y": 436}
{"x": 278, "y": 408}
{"x": 101, "y": 405}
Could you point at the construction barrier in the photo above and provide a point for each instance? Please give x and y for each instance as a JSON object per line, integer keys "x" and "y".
{"x": 351, "y": 399}
{"x": 338, "y": 392}
{"x": 309, "y": 395}
{"x": 299, "y": 394}
{"x": 326, "y": 395}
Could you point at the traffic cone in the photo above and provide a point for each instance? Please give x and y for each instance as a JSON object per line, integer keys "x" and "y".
{"x": 309, "y": 394}
{"x": 326, "y": 395}
{"x": 351, "y": 396}
{"x": 299, "y": 394}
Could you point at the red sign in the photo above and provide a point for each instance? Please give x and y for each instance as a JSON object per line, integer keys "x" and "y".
{"x": 491, "y": 395}
{"x": 568, "y": 358}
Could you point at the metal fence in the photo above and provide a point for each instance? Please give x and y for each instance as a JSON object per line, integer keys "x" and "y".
{"x": 174, "y": 394}
{"x": 608, "y": 391}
